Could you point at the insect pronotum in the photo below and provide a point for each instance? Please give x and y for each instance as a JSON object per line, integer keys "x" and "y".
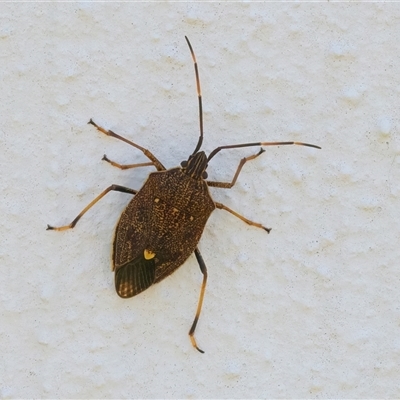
{"x": 162, "y": 225}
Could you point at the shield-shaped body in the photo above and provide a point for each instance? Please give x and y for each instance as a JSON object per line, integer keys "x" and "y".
{"x": 159, "y": 229}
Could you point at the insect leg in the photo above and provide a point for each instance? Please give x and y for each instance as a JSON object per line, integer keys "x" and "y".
{"x": 126, "y": 166}
{"x": 116, "y": 188}
{"x": 256, "y": 224}
{"x": 146, "y": 152}
{"x": 228, "y": 185}
{"x": 203, "y": 269}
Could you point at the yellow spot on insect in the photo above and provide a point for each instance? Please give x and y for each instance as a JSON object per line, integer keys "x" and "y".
{"x": 191, "y": 218}
{"x": 148, "y": 254}
{"x": 156, "y": 200}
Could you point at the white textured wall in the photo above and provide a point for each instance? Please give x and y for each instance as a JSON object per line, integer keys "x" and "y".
{"x": 311, "y": 310}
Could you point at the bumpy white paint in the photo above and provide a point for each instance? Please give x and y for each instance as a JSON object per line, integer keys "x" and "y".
{"x": 311, "y": 310}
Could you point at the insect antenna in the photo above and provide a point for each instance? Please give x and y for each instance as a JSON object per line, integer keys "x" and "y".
{"x": 199, "y": 143}
{"x": 234, "y": 146}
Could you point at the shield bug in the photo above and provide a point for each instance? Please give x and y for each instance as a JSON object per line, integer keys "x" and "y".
{"x": 162, "y": 225}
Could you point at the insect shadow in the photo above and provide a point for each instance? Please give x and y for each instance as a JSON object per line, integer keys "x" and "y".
{"x": 163, "y": 223}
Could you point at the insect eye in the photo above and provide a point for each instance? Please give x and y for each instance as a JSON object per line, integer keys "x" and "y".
{"x": 204, "y": 175}
{"x": 184, "y": 164}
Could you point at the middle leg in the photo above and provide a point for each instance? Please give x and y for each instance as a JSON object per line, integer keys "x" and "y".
{"x": 116, "y": 188}
{"x": 252, "y": 223}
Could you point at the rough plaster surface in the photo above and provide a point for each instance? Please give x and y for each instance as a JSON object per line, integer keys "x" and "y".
{"x": 311, "y": 310}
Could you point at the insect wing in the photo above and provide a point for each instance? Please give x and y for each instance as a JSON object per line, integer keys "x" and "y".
{"x": 135, "y": 276}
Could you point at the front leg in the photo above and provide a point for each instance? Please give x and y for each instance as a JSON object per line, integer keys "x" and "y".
{"x": 126, "y": 166}
{"x": 228, "y": 185}
{"x": 146, "y": 152}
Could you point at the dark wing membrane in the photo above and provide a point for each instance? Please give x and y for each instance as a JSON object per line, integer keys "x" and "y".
{"x": 135, "y": 276}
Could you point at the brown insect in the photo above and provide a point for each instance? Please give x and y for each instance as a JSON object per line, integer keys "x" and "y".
{"x": 162, "y": 225}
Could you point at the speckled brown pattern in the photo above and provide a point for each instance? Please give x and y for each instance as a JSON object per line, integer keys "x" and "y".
{"x": 166, "y": 217}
